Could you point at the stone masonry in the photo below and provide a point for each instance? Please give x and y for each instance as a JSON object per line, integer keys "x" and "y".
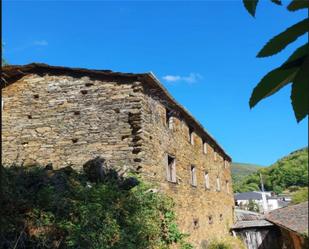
{"x": 68, "y": 116}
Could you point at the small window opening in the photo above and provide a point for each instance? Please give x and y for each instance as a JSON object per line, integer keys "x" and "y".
{"x": 210, "y": 219}
{"x": 191, "y": 135}
{"x": 221, "y": 217}
{"x": 171, "y": 169}
{"x": 215, "y": 155}
{"x": 195, "y": 223}
{"x": 169, "y": 118}
{"x": 218, "y": 184}
{"x": 193, "y": 176}
{"x": 204, "y": 147}
{"x": 207, "y": 184}
{"x": 74, "y": 140}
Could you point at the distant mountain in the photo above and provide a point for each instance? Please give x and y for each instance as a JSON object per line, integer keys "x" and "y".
{"x": 239, "y": 170}
{"x": 288, "y": 172}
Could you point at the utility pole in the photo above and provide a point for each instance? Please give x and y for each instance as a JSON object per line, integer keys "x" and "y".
{"x": 265, "y": 205}
{"x": 262, "y": 184}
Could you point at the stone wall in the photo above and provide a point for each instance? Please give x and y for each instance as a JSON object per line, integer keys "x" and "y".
{"x": 67, "y": 121}
{"x": 203, "y": 213}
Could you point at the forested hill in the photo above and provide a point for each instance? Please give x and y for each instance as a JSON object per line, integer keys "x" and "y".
{"x": 287, "y": 172}
{"x": 241, "y": 170}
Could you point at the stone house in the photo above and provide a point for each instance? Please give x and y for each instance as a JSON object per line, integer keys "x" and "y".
{"x": 67, "y": 116}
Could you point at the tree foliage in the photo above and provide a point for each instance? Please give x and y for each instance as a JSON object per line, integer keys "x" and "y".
{"x": 294, "y": 70}
{"x": 289, "y": 171}
{"x": 300, "y": 195}
{"x": 49, "y": 209}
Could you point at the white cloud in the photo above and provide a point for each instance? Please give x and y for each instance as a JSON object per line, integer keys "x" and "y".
{"x": 171, "y": 78}
{"x": 40, "y": 43}
{"x": 191, "y": 78}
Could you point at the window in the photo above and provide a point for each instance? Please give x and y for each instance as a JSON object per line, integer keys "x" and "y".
{"x": 221, "y": 217}
{"x": 195, "y": 223}
{"x": 227, "y": 185}
{"x": 218, "y": 184}
{"x": 210, "y": 219}
{"x": 204, "y": 147}
{"x": 191, "y": 135}
{"x": 169, "y": 118}
{"x": 207, "y": 185}
{"x": 226, "y": 163}
{"x": 171, "y": 169}
{"x": 215, "y": 155}
{"x": 193, "y": 176}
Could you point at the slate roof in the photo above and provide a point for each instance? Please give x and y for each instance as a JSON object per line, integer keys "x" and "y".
{"x": 248, "y": 196}
{"x": 294, "y": 218}
{"x": 248, "y": 219}
{"x": 12, "y": 73}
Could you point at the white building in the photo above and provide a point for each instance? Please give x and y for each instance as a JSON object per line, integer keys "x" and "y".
{"x": 264, "y": 200}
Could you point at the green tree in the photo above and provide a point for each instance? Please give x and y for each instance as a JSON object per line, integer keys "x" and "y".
{"x": 294, "y": 70}
{"x": 253, "y": 206}
{"x": 300, "y": 196}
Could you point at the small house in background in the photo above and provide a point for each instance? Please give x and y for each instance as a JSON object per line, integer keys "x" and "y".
{"x": 293, "y": 224}
{"x": 265, "y": 201}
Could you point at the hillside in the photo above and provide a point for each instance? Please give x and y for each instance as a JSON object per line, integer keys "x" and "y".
{"x": 240, "y": 170}
{"x": 289, "y": 171}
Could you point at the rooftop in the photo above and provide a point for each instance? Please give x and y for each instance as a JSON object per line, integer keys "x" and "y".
{"x": 247, "y": 219}
{"x": 294, "y": 218}
{"x": 248, "y": 196}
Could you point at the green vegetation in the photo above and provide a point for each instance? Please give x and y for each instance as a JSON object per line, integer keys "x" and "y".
{"x": 226, "y": 243}
{"x": 241, "y": 170}
{"x": 52, "y": 209}
{"x": 293, "y": 70}
{"x": 288, "y": 172}
{"x": 219, "y": 245}
{"x": 300, "y": 195}
{"x": 253, "y": 206}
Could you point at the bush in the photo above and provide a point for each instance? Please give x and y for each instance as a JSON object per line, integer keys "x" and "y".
{"x": 228, "y": 242}
{"x": 61, "y": 209}
{"x": 219, "y": 245}
{"x": 300, "y": 195}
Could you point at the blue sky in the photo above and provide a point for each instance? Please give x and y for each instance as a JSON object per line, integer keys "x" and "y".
{"x": 202, "y": 51}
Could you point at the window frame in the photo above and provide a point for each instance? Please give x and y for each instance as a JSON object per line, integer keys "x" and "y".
{"x": 193, "y": 175}
{"x": 171, "y": 169}
{"x": 191, "y": 135}
{"x": 207, "y": 180}
{"x": 169, "y": 118}
{"x": 218, "y": 184}
{"x": 205, "y": 149}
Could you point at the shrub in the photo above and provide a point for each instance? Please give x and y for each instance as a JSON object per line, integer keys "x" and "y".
{"x": 227, "y": 242}
{"x": 219, "y": 245}
{"x": 60, "y": 209}
{"x": 300, "y": 195}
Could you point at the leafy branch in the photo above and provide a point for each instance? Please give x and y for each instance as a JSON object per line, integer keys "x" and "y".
{"x": 294, "y": 70}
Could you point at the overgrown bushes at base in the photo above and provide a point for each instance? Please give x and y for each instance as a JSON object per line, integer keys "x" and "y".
{"x": 43, "y": 208}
